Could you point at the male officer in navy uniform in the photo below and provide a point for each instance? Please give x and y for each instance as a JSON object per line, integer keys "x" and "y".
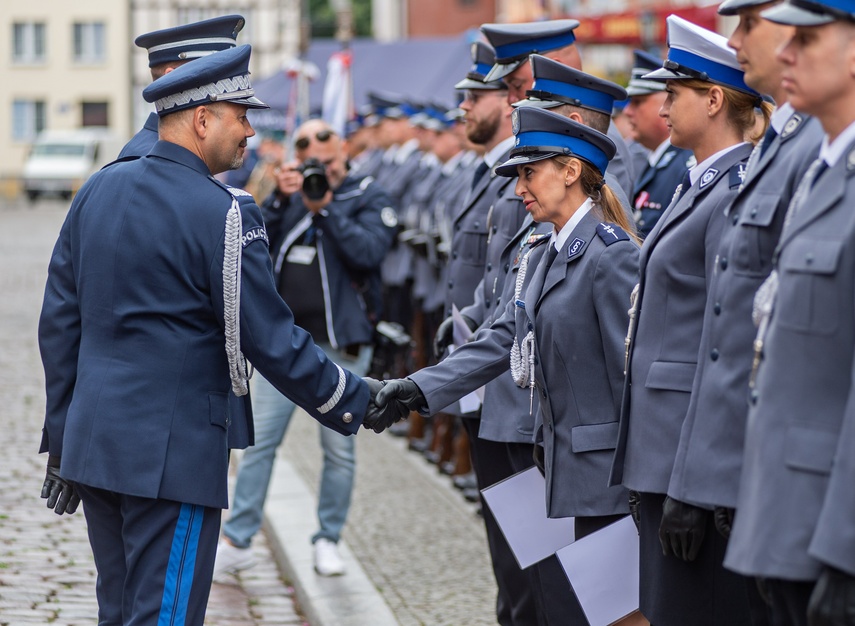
{"x": 159, "y": 284}
{"x": 556, "y": 40}
{"x": 172, "y": 47}
{"x": 666, "y": 164}
{"x": 796, "y": 504}
{"x": 709, "y": 456}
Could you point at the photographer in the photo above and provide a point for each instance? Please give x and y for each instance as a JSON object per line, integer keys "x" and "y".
{"x": 329, "y": 232}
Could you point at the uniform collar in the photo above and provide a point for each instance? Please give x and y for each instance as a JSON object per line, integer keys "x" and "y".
{"x": 179, "y": 154}
{"x": 493, "y": 156}
{"x": 832, "y": 152}
{"x": 655, "y": 155}
{"x": 560, "y": 238}
{"x": 700, "y": 168}
{"x": 780, "y": 117}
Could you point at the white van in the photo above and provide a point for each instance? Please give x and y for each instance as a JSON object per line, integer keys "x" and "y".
{"x": 61, "y": 161}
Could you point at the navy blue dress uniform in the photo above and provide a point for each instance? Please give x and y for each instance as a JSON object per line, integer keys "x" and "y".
{"x": 175, "y": 46}
{"x": 656, "y": 182}
{"x": 578, "y": 373}
{"x": 677, "y": 263}
{"x": 794, "y": 525}
{"x": 556, "y": 84}
{"x": 514, "y": 43}
{"x": 159, "y": 284}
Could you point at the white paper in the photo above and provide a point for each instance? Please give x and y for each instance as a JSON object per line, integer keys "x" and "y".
{"x": 603, "y": 571}
{"x": 471, "y": 402}
{"x": 519, "y": 505}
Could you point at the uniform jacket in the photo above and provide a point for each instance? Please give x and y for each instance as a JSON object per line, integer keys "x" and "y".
{"x": 620, "y": 166}
{"x": 709, "y": 457}
{"x": 676, "y": 265}
{"x": 132, "y": 340}
{"x": 796, "y": 500}
{"x": 352, "y": 239}
{"x": 579, "y": 364}
{"x": 655, "y": 187}
{"x": 143, "y": 141}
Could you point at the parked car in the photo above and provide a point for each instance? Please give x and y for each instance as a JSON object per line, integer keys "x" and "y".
{"x": 61, "y": 161}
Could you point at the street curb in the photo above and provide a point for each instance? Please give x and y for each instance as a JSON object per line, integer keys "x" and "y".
{"x": 290, "y": 521}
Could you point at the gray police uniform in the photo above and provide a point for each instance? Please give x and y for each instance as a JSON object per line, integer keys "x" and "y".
{"x": 795, "y": 499}
{"x": 709, "y": 456}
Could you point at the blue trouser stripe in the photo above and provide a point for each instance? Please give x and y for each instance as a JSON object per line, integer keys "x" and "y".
{"x": 182, "y": 563}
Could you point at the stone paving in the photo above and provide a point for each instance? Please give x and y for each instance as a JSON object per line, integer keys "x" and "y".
{"x": 47, "y": 575}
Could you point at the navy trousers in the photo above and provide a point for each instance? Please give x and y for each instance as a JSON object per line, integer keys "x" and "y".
{"x": 155, "y": 558}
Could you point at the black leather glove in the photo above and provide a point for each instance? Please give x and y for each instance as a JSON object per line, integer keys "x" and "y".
{"x": 832, "y": 602}
{"x": 723, "y": 519}
{"x": 403, "y": 393}
{"x": 445, "y": 334}
{"x": 635, "y": 508}
{"x": 379, "y": 418}
{"x": 682, "y": 529}
{"x": 61, "y": 494}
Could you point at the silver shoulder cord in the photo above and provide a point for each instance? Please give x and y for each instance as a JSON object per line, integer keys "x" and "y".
{"x": 232, "y": 250}
{"x": 630, "y": 331}
{"x": 522, "y": 356}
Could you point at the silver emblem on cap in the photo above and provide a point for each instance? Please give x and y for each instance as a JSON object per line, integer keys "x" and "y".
{"x": 515, "y": 121}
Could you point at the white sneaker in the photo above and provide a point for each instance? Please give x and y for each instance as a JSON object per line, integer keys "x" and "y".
{"x": 327, "y": 559}
{"x": 231, "y": 559}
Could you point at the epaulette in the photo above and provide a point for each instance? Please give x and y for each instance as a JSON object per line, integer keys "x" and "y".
{"x": 737, "y": 174}
{"x": 237, "y": 192}
{"x": 611, "y": 233}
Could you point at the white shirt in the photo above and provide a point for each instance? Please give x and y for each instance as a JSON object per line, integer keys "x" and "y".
{"x": 655, "y": 155}
{"x": 493, "y": 156}
{"x": 560, "y": 237}
{"x": 696, "y": 172}
{"x": 780, "y": 117}
{"x": 832, "y": 152}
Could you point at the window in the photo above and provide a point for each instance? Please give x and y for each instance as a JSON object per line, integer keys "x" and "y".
{"x": 28, "y": 42}
{"x": 94, "y": 114}
{"x": 89, "y": 42}
{"x": 28, "y": 119}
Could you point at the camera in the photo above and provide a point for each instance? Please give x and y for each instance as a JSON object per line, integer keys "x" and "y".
{"x": 315, "y": 183}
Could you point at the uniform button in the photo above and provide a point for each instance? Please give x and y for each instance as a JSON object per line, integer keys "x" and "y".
{"x": 735, "y": 219}
{"x": 450, "y": 284}
{"x": 754, "y": 396}
{"x": 753, "y": 212}
{"x": 347, "y": 418}
{"x": 228, "y": 421}
{"x": 723, "y": 263}
{"x": 507, "y": 267}
{"x": 717, "y": 308}
{"x": 809, "y": 258}
{"x": 714, "y": 354}
{"x": 454, "y": 255}
{"x": 495, "y": 228}
{"x": 489, "y": 267}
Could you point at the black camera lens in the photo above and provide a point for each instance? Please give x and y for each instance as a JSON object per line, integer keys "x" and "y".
{"x": 315, "y": 183}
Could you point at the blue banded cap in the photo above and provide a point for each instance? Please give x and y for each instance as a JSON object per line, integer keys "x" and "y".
{"x": 191, "y": 41}
{"x": 556, "y": 84}
{"x": 695, "y": 52}
{"x": 804, "y": 13}
{"x": 644, "y": 63}
{"x": 483, "y": 58}
{"x": 542, "y": 134}
{"x": 219, "y": 77}
{"x": 733, "y": 7}
{"x": 432, "y": 117}
{"x": 515, "y": 42}
{"x": 390, "y": 105}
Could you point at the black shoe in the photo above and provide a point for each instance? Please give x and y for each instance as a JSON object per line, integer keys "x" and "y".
{"x": 465, "y": 481}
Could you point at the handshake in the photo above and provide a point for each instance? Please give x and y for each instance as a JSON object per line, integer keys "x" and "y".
{"x": 391, "y": 401}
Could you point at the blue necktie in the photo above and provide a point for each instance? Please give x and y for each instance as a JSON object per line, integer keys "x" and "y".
{"x": 686, "y": 184}
{"x": 479, "y": 172}
{"x": 768, "y": 138}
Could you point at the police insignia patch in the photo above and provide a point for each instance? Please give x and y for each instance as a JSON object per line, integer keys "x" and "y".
{"x": 791, "y": 125}
{"x": 575, "y": 247}
{"x": 389, "y": 217}
{"x": 737, "y": 175}
{"x": 259, "y": 233}
{"x": 708, "y": 177}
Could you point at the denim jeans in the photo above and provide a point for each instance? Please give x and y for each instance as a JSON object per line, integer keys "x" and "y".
{"x": 272, "y": 413}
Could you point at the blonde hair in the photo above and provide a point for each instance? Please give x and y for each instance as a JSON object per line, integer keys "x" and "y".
{"x": 740, "y": 109}
{"x": 594, "y": 186}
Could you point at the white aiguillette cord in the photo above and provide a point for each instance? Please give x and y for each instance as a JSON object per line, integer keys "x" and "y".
{"x": 522, "y": 356}
{"x": 232, "y": 249}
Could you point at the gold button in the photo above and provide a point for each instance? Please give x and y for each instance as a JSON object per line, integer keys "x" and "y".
{"x": 347, "y": 418}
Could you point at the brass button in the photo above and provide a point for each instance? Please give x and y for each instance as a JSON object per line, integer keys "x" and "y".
{"x": 347, "y": 418}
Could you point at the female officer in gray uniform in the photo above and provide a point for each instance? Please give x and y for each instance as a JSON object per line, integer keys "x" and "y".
{"x": 563, "y": 330}
{"x": 709, "y": 110}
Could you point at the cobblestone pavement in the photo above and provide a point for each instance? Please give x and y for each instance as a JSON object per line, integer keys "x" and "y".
{"x": 47, "y": 575}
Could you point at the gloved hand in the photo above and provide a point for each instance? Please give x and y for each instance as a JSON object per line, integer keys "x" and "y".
{"x": 445, "y": 334}
{"x": 832, "y": 602}
{"x": 682, "y": 529}
{"x": 61, "y": 494}
{"x": 635, "y": 508}
{"x": 723, "y": 519}
{"x": 402, "y": 393}
{"x": 379, "y": 418}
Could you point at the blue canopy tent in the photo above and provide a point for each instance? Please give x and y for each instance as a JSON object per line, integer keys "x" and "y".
{"x": 421, "y": 69}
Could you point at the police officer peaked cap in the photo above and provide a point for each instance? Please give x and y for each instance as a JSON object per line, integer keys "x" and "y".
{"x": 219, "y": 77}
{"x": 803, "y": 13}
{"x": 191, "y": 41}
{"x": 697, "y": 53}
{"x": 542, "y": 134}
{"x": 644, "y": 63}
{"x": 515, "y": 42}
{"x": 733, "y": 7}
{"x": 556, "y": 84}
{"x": 483, "y": 58}
{"x": 391, "y": 105}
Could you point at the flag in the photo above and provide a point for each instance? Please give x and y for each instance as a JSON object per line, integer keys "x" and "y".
{"x": 338, "y": 91}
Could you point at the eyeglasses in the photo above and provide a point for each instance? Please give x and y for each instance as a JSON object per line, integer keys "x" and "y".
{"x": 322, "y": 135}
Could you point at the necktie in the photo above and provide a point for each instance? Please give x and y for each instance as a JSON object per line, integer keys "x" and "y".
{"x": 550, "y": 255}
{"x": 767, "y": 140}
{"x": 685, "y": 185}
{"x": 479, "y": 172}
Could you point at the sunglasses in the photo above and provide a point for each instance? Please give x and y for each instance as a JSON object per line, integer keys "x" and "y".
{"x": 323, "y": 136}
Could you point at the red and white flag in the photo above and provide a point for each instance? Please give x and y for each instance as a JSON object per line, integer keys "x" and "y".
{"x": 338, "y": 91}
